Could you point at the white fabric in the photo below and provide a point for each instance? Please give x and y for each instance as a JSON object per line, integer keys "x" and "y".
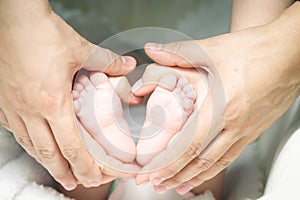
{"x": 21, "y": 178}
{"x": 126, "y": 189}
{"x": 246, "y": 178}
{"x": 285, "y": 173}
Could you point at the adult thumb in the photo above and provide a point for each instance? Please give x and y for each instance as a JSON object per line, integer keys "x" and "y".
{"x": 187, "y": 54}
{"x": 96, "y": 58}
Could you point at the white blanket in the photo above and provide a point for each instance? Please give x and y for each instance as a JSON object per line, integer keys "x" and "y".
{"x": 22, "y": 178}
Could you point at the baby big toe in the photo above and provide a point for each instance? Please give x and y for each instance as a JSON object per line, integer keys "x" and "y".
{"x": 98, "y": 78}
{"x": 168, "y": 82}
{"x": 78, "y": 87}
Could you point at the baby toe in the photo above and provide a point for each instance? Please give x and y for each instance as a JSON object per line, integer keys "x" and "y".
{"x": 83, "y": 80}
{"x": 188, "y": 105}
{"x": 78, "y": 87}
{"x": 76, "y": 106}
{"x": 191, "y": 95}
{"x": 90, "y": 87}
{"x": 182, "y": 82}
{"x": 168, "y": 82}
{"x": 75, "y": 94}
{"x": 96, "y": 77}
{"x": 187, "y": 88}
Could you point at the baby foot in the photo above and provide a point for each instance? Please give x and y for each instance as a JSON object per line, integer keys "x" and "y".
{"x": 99, "y": 110}
{"x": 168, "y": 108}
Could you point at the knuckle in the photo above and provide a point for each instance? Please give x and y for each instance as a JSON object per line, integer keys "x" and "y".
{"x": 61, "y": 177}
{"x": 204, "y": 163}
{"x": 223, "y": 163}
{"x": 235, "y": 113}
{"x": 193, "y": 151}
{"x": 71, "y": 153}
{"x": 4, "y": 124}
{"x": 24, "y": 141}
{"x": 46, "y": 154}
{"x": 112, "y": 60}
{"x": 2, "y": 115}
{"x": 169, "y": 172}
{"x": 175, "y": 47}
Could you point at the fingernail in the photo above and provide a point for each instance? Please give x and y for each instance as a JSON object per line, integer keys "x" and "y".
{"x": 136, "y": 85}
{"x": 128, "y": 61}
{"x": 153, "y": 46}
{"x": 69, "y": 187}
{"x": 182, "y": 190}
{"x": 161, "y": 189}
{"x": 93, "y": 183}
{"x": 157, "y": 181}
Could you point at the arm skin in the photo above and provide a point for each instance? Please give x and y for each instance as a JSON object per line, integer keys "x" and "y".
{"x": 39, "y": 55}
{"x": 259, "y": 68}
{"x": 253, "y": 13}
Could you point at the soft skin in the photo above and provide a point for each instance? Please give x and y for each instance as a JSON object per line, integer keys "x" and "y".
{"x": 39, "y": 55}
{"x": 259, "y": 68}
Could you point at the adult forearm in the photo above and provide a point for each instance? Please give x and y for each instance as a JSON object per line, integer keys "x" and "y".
{"x": 252, "y": 13}
{"x": 286, "y": 30}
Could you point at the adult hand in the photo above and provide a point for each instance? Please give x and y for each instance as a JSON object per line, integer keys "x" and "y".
{"x": 259, "y": 69}
{"x": 39, "y": 55}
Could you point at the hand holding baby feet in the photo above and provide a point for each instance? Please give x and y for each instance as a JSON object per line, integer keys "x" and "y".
{"x": 158, "y": 169}
{"x": 99, "y": 110}
{"x": 168, "y": 108}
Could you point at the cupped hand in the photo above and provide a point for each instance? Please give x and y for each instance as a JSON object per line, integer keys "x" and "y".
{"x": 39, "y": 55}
{"x": 260, "y": 80}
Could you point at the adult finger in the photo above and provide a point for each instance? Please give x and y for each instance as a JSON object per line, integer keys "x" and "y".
{"x": 107, "y": 164}
{"x": 20, "y": 133}
{"x": 48, "y": 152}
{"x": 182, "y": 53}
{"x": 223, "y": 151}
{"x": 208, "y": 157}
{"x": 200, "y": 130}
{"x": 62, "y": 123}
{"x": 107, "y": 178}
{"x": 127, "y": 173}
{"x": 3, "y": 119}
{"x": 215, "y": 169}
{"x": 95, "y": 58}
